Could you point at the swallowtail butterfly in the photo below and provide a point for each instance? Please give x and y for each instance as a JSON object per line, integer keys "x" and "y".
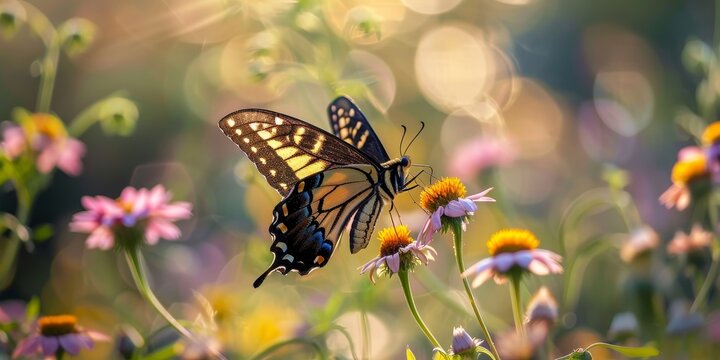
{"x": 325, "y": 180}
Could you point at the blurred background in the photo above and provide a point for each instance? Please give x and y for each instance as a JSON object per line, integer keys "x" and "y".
{"x": 544, "y": 100}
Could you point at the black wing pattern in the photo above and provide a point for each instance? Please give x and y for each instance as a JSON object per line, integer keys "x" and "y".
{"x": 307, "y": 224}
{"x": 285, "y": 149}
{"x": 350, "y": 125}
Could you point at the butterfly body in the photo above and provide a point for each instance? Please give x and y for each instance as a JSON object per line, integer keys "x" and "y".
{"x": 325, "y": 180}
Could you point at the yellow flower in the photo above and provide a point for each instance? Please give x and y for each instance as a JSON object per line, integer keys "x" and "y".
{"x": 442, "y": 193}
{"x": 688, "y": 169}
{"x": 57, "y": 325}
{"x": 711, "y": 133}
{"x": 392, "y": 239}
{"x": 511, "y": 240}
{"x": 44, "y": 124}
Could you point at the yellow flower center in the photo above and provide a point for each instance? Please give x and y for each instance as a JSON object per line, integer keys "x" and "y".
{"x": 58, "y": 325}
{"x": 392, "y": 239}
{"x": 711, "y": 133}
{"x": 511, "y": 240}
{"x": 689, "y": 169}
{"x": 45, "y": 124}
{"x": 126, "y": 206}
{"x": 441, "y": 193}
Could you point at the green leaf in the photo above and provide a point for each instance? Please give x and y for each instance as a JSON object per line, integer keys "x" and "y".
{"x": 641, "y": 351}
{"x": 485, "y": 351}
{"x": 409, "y": 354}
{"x": 33, "y": 309}
{"x": 42, "y": 232}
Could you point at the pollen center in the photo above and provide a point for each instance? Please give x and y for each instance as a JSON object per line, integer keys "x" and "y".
{"x": 58, "y": 325}
{"x": 511, "y": 240}
{"x": 711, "y": 133}
{"x": 441, "y": 193}
{"x": 48, "y": 125}
{"x": 688, "y": 169}
{"x": 392, "y": 239}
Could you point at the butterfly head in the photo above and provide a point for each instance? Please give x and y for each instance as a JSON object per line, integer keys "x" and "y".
{"x": 405, "y": 162}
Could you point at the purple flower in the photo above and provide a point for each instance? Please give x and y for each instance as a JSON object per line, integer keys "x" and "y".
{"x": 513, "y": 248}
{"x": 463, "y": 343}
{"x": 58, "y": 333}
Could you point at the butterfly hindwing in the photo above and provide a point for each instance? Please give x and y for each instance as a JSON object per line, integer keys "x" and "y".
{"x": 364, "y": 222}
{"x": 350, "y": 125}
{"x": 308, "y": 222}
{"x": 286, "y": 149}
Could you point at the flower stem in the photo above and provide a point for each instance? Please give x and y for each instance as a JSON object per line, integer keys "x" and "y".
{"x": 403, "y": 275}
{"x": 457, "y": 235}
{"x": 133, "y": 257}
{"x": 715, "y": 265}
{"x": 517, "y": 309}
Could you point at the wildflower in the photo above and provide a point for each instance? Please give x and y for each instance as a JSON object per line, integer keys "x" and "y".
{"x": 711, "y": 139}
{"x": 691, "y": 166}
{"x": 640, "y": 242}
{"x": 447, "y": 203}
{"x": 511, "y": 250}
{"x": 45, "y": 135}
{"x": 682, "y": 320}
{"x": 478, "y": 154}
{"x": 542, "y": 308}
{"x": 59, "y": 333}
{"x": 148, "y": 212}
{"x": 623, "y": 326}
{"x": 13, "y": 142}
{"x": 463, "y": 344}
{"x": 397, "y": 251}
{"x": 682, "y": 243}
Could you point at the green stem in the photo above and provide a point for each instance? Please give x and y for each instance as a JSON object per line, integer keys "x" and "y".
{"x": 517, "y": 308}
{"x": 365, "y": 328}
{"x": 47, "y": 76}
{"x": 715, "y": 265}
{"x": 133, "y": 257}
{"x": 457, "y": 235}
{"x": 272, "y": 348}
{"x": 403, "y": 275}
{"x": 25, "y": 200}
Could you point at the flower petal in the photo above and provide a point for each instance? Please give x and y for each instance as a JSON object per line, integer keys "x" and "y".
{"x": 483, "y": 276}
{"x": 480, "y": 197}
{"x": 393, "y": 262}
{"x": 71, "y": 343}
{"x": 503, "y": 262}
{"x": 27, "y": 346}
{"x": 523, "y": 258}
{"x": 435, "y": 222}
{"x": 49, "y": 345}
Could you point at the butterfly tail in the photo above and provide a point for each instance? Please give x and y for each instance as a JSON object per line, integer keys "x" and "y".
{"x": 267, "y": 272}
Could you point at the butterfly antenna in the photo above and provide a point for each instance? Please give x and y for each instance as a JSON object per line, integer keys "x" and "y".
{"x": 398, "y": 214}
{"x": 402, "y": 138}
{"x": 422, "y": 126}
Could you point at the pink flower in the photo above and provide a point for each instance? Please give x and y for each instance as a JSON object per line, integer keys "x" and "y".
{"x": 682, "y": 243}
{"x": 459, "y": 208}
{"x": 510, "y": 249}
{"x": 464, "y": 344}
{"x": 148, "y": 210}
{"x": 13, "y": 141}
{"x": 640, "y": 242}
{"x": 478, "y": 154}
{"x": 65, "y": 154}
{"x": 690, "y": 167}
{"x": 45, "y": 135}
{"x": 58, "y": 333}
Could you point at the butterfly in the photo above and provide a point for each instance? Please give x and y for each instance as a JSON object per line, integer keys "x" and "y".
{"x": 325, "y": 180}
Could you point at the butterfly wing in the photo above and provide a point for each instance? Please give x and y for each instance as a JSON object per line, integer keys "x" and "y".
{"x": 364, "y": 221}
{"x": 308, "y": 222}
{"x": 285, "y": 149}
{"x": 350, "y": 125}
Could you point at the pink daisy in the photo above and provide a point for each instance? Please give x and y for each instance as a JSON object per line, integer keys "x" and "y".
{"x": 513, "y": 249}
{"x": 55, "y": 334}
{"x": 397, "y": 250}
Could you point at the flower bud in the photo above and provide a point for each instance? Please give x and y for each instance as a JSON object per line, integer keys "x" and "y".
{"x": 697, "y": 56}
{"x": 118, "y": 116}
{"x": 76, "y": 35}
{"x": 542, "y": 308}
{"x": 12, "y": 16}
{"x": 623, "y": 326}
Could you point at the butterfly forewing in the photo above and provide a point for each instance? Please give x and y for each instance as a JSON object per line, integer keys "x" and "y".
{"x": 286, "y": 149}
{"x": 307, "y": 224}
{"x": 350, "y": 125}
